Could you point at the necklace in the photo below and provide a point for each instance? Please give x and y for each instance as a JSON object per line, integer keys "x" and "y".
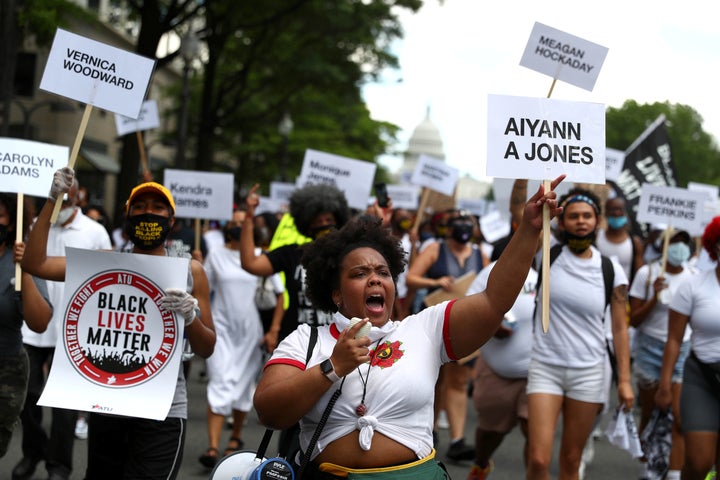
{"x": 361, "y": 409}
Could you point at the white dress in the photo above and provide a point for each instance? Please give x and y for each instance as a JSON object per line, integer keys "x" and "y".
{"x": 235, "y": 363}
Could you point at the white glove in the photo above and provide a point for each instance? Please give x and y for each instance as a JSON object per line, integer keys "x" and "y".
{"x": 179, "y": 301}
{"x": 62, "y": 182}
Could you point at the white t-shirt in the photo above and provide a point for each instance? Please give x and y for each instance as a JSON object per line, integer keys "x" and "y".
{"x": 576, "y": 334}
{"x": 238, "y": 330}
{"x": 510, "y": 357}
{"x": 656, "y": 321}
{"x": 400, "y": 383}
{"x": 622, "y": 251}
{"x": 214, "y": 238}
{"x": 81, "y": 232}
{"x": 699, "y": 299}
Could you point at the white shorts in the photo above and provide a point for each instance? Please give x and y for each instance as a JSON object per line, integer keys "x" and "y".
{"x": 584, "y": 384}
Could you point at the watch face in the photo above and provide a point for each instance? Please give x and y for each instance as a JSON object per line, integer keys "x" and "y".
{"x": 326, "y": 366}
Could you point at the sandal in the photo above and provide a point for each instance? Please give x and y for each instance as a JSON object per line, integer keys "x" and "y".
{"x": 234, "y": 444}
{"x": 210, "y": 458}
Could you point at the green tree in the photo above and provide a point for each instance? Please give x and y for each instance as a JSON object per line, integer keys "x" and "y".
{"x": 308, "y": 58}
{"x": 695, "y": 152}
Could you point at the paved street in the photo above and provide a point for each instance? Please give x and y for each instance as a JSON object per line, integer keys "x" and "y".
{"x": 610, "y": 462}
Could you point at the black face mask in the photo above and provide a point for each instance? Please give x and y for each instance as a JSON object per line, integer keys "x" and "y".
{"x": 577, "y": 243}
{"x": 147, "y": 231}
{"x": 3, "y": 234}
{"x": 233, "y": 234}
{"x": 461, "y": 232}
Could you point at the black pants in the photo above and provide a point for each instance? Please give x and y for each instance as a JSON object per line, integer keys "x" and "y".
{"x": 122, "y": 448}
{"x": 57, "y": 447}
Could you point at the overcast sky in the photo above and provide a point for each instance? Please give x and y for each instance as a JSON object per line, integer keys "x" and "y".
{"x": 456, "y": 54}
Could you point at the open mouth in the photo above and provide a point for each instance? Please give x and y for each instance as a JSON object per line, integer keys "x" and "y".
{"x": 375, "y": 303}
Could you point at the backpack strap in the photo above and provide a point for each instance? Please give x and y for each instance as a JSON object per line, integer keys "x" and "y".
{"x": 608, "y": 273}
{"x": 311, "y": 343}
{"x": 554, "y": 253}
{"x": 608, "y": 278}
{"x": 260, "y": 454}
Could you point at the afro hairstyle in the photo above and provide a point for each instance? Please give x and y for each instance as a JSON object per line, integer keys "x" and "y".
{"x": 323, "y": 257}
{"x": 308, "y": 202}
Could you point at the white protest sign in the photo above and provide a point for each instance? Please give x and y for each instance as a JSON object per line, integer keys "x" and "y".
{"x": 435, "y": 174}
{"x": 540, "y": 138}
{"x": 677, "y": 207}
{"x": 614, "y": 160}
{"x": 563, "y": 56}
{"x": 404, "y": 196}
{"x": 119, "y": 351}
{"x": 494, "y": 226}
{"x": 353, "y": 177}
{"x": 28, "y": 167}
{"x": 97, "y": 74}
{"x": 281, "y": 191}
{"x": 147, "y": 120}
{"x": 200, "y": 194}
{"x": 270, "y": 205}
{"x": 477, "y": 206}
{"x": 710, "y": 207}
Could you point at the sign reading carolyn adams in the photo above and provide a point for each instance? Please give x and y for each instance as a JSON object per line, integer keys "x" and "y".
{"x": 539, "y": 138}
{"x": 97, "y": 74}
{"x": 563, "y": 56}
{"x": 119, "y": 351}
{"x": 28, "y": 167}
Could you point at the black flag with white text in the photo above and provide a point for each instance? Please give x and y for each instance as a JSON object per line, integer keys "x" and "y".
{"x": 647, "y": 160}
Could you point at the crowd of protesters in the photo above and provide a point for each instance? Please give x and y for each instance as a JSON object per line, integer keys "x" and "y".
{"x": 640, "y": 330}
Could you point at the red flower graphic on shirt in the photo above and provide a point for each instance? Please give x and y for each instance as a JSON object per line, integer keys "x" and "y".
{"x": 387, "y": 354}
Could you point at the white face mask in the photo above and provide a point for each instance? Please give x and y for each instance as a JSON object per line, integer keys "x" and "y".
{"x": 677, "y": 254}
{"x": 64, "y": 215}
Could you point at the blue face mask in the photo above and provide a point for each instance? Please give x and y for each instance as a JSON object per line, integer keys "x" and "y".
{"x": 616, "y": 223}
{"x": 677, "y": 254}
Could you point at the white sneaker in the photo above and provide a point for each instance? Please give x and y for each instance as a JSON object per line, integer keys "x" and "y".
{"x": 442, "y": 421}
{"x": 81, "y": 428}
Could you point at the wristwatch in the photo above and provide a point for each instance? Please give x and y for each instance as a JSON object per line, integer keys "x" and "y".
{"x": 327, "y": 369}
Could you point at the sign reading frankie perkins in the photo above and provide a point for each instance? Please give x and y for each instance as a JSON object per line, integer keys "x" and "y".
{"x": 539, "y": 138}
{"x": 28, "y": 167}
{"x": 677, "y": 207}
{"x": 204, "y": 195}
{"x": 97, "y": 74}
{"x": 563, "y": 56}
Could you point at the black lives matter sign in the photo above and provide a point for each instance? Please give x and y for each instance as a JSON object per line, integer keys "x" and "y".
{"x": 116, "y": 333}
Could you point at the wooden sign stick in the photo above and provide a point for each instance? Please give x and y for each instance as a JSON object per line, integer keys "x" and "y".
{"x": 73, "y": 155}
